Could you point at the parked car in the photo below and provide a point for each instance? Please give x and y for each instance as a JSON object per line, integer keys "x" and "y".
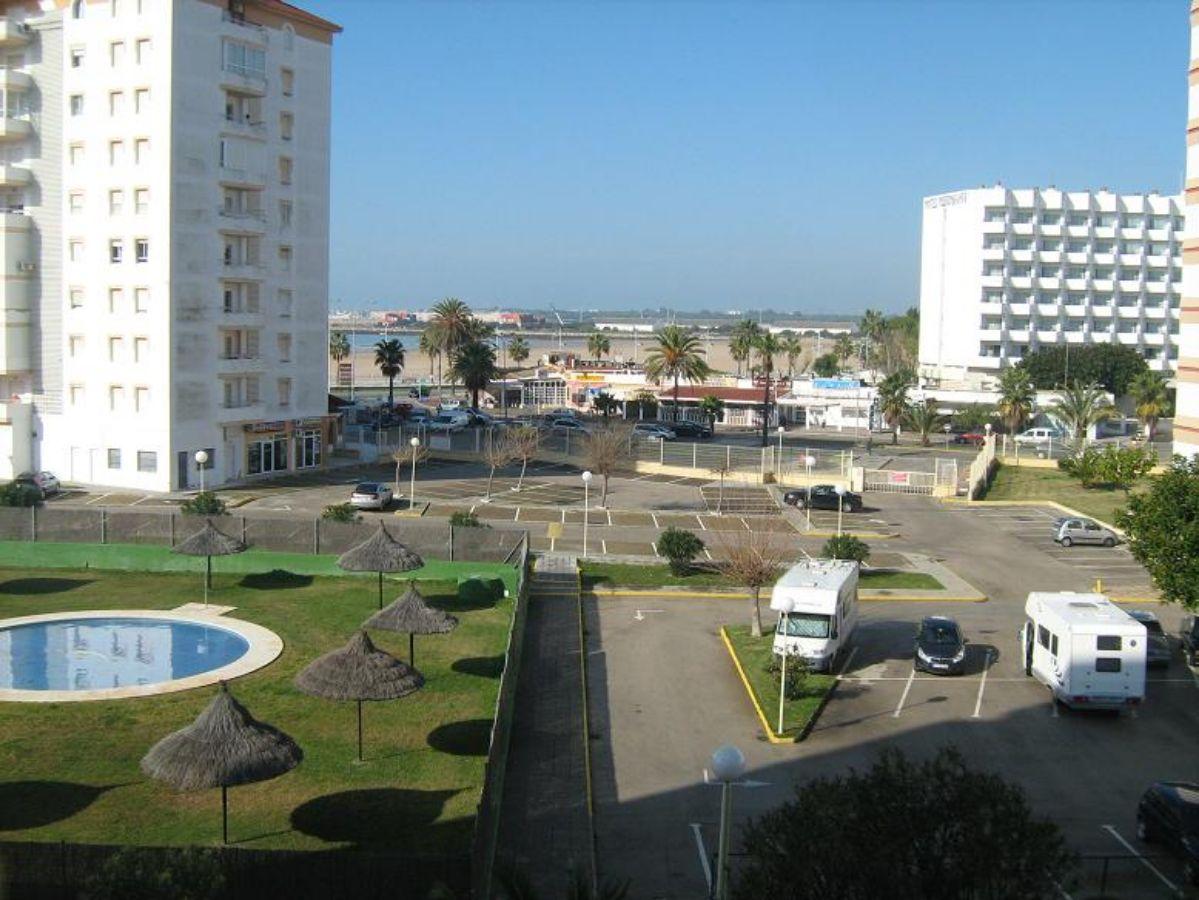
{"x": 824, "y": 496}
{"x": 974, "y": 438}
{"x": 370, "y": 495}
{"x": 692, "y": 430}
{"x": 448, "y": 404}
{"x": 653, "y": 431}
{"x": 419, "y": 416}
{"x": 1189, "y": 634}
{"x": 451, "y": 420}
{"x": 569, "y": 425}
{"x": 1168, "y": 814}
{"x": 1069, "y": 530}
{"x": 1158, "y": 648}
{"x": 46, "y": 482}
{"x": 478, "y": 417}
{"x": 561, "y": 413}
{"x": 1037, "y": 436}
{"x": 940, "y": 647}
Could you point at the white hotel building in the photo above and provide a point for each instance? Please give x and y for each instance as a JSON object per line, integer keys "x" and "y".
{"x": 164, "y": 173}
{"x": 1005, "y": 272}
{"x": 1186, "y": 418}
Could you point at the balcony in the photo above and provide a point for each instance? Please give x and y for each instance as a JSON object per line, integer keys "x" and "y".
{"x": 14, "y": 176}
{"x": 12, "y": 129}
{"x": 15, "y": 82}
{"x": 243, "y": 126}
{"x": 242, "y": 412}
{"x": 998, "y": 227}
{"x": 235, "y": 177}
{"x": 1101, "y": 312}
{"x": 1051, "y": 230}
{"x": 240, "y": 365}
{"x": 1131, "y": 287}
{"x": 244, "y": 81}
{"x": 242, "y": 270}
{"x": 244, "y": 29}
{"x": 1049, "y": 282}
{"x": 253, "y": 220}
{"x": 13, "y": 34}
{"x": 1052, "y": 257}
{"x": 993, "y": 254}
{"x": 992, "y": 281}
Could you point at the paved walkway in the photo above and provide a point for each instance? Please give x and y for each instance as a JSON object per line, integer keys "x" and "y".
{"x": 545, "y": 824}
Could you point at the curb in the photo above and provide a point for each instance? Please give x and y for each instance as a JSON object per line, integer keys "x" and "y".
{"x": 753, "y": 698}
{"x": 1052, "y": 504}
{"x": 864, "y": 596}
{"x": 871, "y": 535}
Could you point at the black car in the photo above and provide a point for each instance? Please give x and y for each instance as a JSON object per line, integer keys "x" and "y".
{"x": 1157, "y": 653}
{"x": 693, "y": 430}
{"x": 940, "y": 647}
{"x": 1168, "y": 814}
{"x": 1189, "y": 633}
{"x": 824, "y": 496}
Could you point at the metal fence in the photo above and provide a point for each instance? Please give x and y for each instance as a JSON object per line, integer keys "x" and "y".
{"x": 285, "y": 532}
{"x": 890, "y": 481}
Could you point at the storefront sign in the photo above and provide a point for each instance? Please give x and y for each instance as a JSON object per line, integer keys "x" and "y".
{"x": 836, "y": 384}
{"x": 264, "y": 427}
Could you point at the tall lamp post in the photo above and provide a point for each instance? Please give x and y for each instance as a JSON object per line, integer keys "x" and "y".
{"x": 778, "y": 463}
{"x": 808, "y": 462}
{"x": 840, "y": 489}
{"x": 728, "y": 763}
{"x": 413, "y": 443}
{"x": 586, "y": 503}
{"x": 201, "y": 462}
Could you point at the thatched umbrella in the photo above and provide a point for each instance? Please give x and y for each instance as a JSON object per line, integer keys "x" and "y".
{"x": 225, "y": 746}
{"x": 208, "y": 542}
{"x": 359, "y": 671}
{"x": 380, "y": 553}
{"x": 411, "y": 615}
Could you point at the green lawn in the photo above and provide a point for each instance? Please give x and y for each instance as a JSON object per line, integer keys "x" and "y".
{"x": 622, "y": 575}
{"x": 754, "y": 655}
{"x": 69, "y": 771}
{"x": 1020, "y": 483}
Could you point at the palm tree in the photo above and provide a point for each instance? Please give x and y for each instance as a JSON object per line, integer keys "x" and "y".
{"x": 474, "y": 365}
{"x": 766, "y": 348}
{"x": 713, "y": 408}
{"x": 428, "y": 346}
{"x": 793, "y": 348}
{"x": 339, "y": 346}
{"x": 741, "y": 341}
{"x": 677, "y": 354}
{"x": 1016, "y": 398}
{"x": 1079, "y": 407}
{"x": 389, "y": 357}
{"x": 873, "y": 327}
{"x": 598, "y": 345}
{"x": 1149, "y": 393}
{"x": 518, "y": 350}
{"x": 924, "y": 419}
{"x": 453, "y": 326}
{"x": 843, "y": 347}
{"x": 893, "y": 400}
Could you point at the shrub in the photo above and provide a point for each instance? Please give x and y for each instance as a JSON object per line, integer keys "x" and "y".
{"x": 13, "y": 494}
{"x": 1124, "y": 466}
{"x": 340, "y": 512}
{"x": 1085, "y": 466}
{"x": 797, "y": 673}
{"x": 205, "y": 503}
{"x": 846, "y": 546}
{"x": 138, "y": 873}
{"x": 680, "y": 548}
{"x": 463, "y": 519}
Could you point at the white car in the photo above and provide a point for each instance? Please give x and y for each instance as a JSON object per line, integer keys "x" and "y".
{"x": 449, "y": 404}
{"x": 1035, "y": 436}
{"x": 654, "y": 432}
{"x": 370, "y": 495}
{"x": 454, "y": 420}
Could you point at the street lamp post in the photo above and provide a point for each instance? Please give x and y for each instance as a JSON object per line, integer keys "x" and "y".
{"x": 840, "y": 489}
{"x": 728, "y": 763}
{"x": 413, "y": 443}
{"x": 808, "y": 462}
{"x": 778, "y": 463}
{"x": 201, "y": 462}
{"x": 586, "y": 503}
{"x": 947, "y": 428}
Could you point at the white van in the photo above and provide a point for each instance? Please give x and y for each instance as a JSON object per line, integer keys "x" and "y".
{"x": 1090, "y": 653}
{"x": 817, "y": 602}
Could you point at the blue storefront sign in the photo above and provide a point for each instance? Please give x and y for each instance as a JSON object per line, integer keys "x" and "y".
{"x": 836, "y": 384}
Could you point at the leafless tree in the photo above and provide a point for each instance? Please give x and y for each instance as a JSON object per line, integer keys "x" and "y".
{"x": 404, "y": 455}
{"x": 498, "y": 452}
{"x": 608, "y": 450}
{"x": 523, "y": 442}
{"x": 753, "y": 559}
{"x": 722, "y": 470}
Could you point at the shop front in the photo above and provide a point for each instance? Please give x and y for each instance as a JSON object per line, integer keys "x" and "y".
{"x": 286, "y": 446}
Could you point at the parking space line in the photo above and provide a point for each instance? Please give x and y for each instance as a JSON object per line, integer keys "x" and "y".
{"x": 708, "y": 553}
{"x": 982, "y": 683}
{"x": 608, "y": 513}
{"x": 702, "y": 526}
{"x": 97, "y": 499}
{"x": 516, "y": 518}
{"x": 904, "y": 696}
{"x": 656, "y": 525}
{"x": 703, "y": 855}
{"x": 604, "y": 546}
{"x": 1110, "y": 829}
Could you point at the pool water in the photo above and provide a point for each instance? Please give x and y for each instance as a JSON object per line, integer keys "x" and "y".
{"x": 99, "y": 653}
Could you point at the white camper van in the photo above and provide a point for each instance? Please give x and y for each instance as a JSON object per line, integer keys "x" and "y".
{"x": 1085, "y": 649}
{"x": 817, "y": 602}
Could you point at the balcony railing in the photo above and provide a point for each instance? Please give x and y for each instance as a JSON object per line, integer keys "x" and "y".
{"x": 246, "y": 125}
{"x": 258, "y": 215}
{"x": 243, "y": 22}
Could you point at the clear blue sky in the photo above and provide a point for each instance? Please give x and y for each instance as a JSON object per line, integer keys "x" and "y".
{"x": 713, "y": 155}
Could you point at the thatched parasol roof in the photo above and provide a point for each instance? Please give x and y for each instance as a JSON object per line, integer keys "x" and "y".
{"x": 224, "y": 746}
{"x": 380, "y": 553}
{"x": 359, "y": 671}
{"x": 410, "y": 614}
{"x": 208, "y": 541}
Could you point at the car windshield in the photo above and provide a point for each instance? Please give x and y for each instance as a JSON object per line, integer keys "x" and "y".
{"x": 939, "y": 633}
{"x": 1153, "y": 627}
{"x": 366, "y": 487}
{"x": 806, "y": 625}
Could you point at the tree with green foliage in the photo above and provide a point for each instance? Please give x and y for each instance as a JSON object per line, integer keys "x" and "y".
{"x": 204, "y": 503}
{"x": 1162, "y": 526}
{"x": 428, "y": 345}
{"x": 713, "y": 409}
{"x": 741, "y": 341}
{"x": 1151, "y": 398}
{"x": 389, "y": 357}
{"x": 339, "y": 346}
{"x": 1017, "y": 396}
{"x": 793, "y": 350}
{"x": 1110, "y": 366}
{"x": 973, "y": 417}
{"x": 340, "y": 512}
{"x": 1084, "y": 465}
{"x": 598, "y": 345}
{"x": 14, "y": 494}
{"x": 1078, "y": 408}
{"x": 843, "y": 348}
{"x": 465, "y": 519}
{"x": 157, "y": 873}
{"x": 474, "y": 365}
{"x": 893, "y": 400}
{"x": 676, "y": 354}
{"x": 990, "y": 845}
{"x": 846, "y": 546}
{"x": 680, "y": 548}
{"x": 766, "y": 347}
{"x": 518, "y": 350}
{"x": 924, "y": 419}
{"x": 826, "y": 366}
{"x": 604, "y": 403}
{"x": 1123, "y": 467}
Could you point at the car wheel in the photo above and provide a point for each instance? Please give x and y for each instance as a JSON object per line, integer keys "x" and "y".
{"x": 1143, "y": 831}
{"x": 1109, "y": 542}
{"x": 1067, "y": 542}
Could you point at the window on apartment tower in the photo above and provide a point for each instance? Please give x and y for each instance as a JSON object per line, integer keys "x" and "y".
{"x": 284, "y": 343}
{"x": 116, "y": 103}
{"x": 287, "y": 81}
{"x": 141, "y": 399}
{"x": 141, "y": 201}
{"x": 147, "y": 461}
{"x": 284, "y": 391}
{"x": 141, "y": 151}
{"x": 75, "y": 201}
{"x": 75, "y": 251}
{"x": 76, "y": 394}
{"x": 116, "y": 202}
{"x": 285, "y": 213}
{"x": 141, "y": 250}
{"x": 285, "y": 170}
{"x": 75, "y": 154}
{"x": 116, "y": 397}
{"x": 116, "y": 153}
{"x": 141, "y": 349}
{"x": 116, "y": 250}
{"x": 76, "y": 297}
{"x": 116, "y": 299}
{"x": 75, "y": 345}
{"x": 116, "y": 53}
{"x": 114, "y": 458}
{"x": 287, "y": 124}
{"x": 141, "y": 100}
{"x": 116, "y": 348}
{"x": 78, "y": 54}
{"x": 284, "y": 302}
{"x": 76, "y": 104}
{"x": 143, "y": 50}
{"x": 141, "y": 300}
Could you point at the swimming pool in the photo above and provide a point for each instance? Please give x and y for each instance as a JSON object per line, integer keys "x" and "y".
{"x": 110, "y": 655}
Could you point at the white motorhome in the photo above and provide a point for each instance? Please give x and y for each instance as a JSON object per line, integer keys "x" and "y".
{"x": 1085, "y": 649}
{"x": 817, "y": 602}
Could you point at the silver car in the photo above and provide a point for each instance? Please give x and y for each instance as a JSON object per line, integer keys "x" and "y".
{"x": 1068, "y": 531}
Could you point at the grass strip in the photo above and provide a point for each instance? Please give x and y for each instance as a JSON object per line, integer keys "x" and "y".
{"x": 754, "y": 655}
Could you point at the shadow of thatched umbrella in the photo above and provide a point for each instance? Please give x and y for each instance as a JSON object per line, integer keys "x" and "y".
{"x": 380, "y": 553}
{"x": 409, "y": 614}
{"x": 223, "y": 747}
{"x": 359, "y": 671}
{"x": 208, "y": 542}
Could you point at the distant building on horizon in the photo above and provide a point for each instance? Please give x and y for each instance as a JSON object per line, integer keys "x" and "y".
{"x": 1005, "y": 272}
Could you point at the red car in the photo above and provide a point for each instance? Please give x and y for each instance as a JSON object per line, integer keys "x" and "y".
{"x": 974, "y": 438}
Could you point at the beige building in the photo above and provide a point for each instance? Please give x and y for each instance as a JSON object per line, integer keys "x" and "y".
{"x": 164, "y": 172}
{"x": 1186, "y": 421}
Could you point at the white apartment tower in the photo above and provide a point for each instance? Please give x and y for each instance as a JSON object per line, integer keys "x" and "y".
{"x": 1186, "y": 419}
{"x": 1004, "y": 272}
{"x": 164, "y": 166}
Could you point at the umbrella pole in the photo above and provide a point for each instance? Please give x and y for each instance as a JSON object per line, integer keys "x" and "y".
{"x": 359, "y": 731}
{"x": 412, "y": 649}
{"x": 207, "y": 579}
{"x": 380, "y": 590}
{"x": 224, "y": 814}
